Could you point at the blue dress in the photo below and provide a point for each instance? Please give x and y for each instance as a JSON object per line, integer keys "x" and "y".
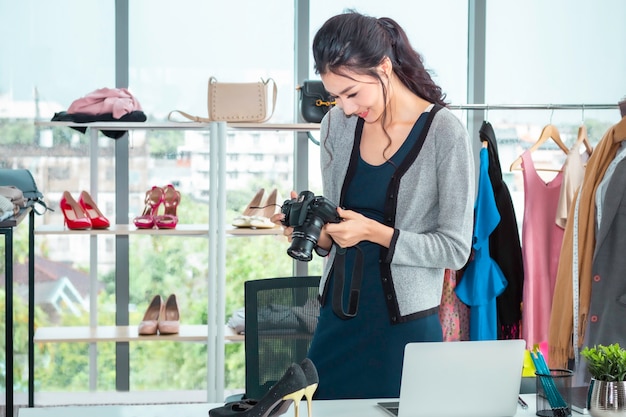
{"x": 362, "y": 357}
{"x": 483, "y": 279}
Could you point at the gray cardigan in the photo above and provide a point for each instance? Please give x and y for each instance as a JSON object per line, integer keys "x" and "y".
{"x": 431, "y": 201}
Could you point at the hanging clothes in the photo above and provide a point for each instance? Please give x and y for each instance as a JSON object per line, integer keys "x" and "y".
{"x": 573, "y": 173}
{"x": 483, "y": 279}
{"x": 582, "y": 225}
{"x": 541, "y": 245}
{"x": 608, "y": 286}
{"x": 453, "y": 314}
{"x": 504, "y": 244}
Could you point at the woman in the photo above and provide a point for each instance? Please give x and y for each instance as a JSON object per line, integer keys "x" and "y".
{"x": 400, "y": 166}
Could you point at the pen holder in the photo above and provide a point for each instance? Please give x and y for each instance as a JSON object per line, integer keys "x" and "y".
{"x": 554, "y": 393}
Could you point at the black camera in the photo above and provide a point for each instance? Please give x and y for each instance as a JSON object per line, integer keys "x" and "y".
{"x": 307, "y": 214}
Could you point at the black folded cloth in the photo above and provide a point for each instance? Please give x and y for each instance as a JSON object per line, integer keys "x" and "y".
{"x": 134, "y": 116}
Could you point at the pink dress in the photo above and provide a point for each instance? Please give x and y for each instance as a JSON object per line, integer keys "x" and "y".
{"x": 453, "y": 314}
{"x": 541, "y": 247}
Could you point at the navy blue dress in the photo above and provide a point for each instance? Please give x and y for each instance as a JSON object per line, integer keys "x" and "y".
{"x": 362, "y": 357}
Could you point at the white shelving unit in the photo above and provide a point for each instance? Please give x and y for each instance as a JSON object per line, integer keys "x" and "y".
{"x": 215, "y": 334}
{"x": 87, "y": 334}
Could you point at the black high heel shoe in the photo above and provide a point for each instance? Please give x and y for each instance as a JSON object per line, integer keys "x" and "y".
{"x": 312, "y": 379}
{"x": 290, "y": 388}
{"x": 310, "y": 373}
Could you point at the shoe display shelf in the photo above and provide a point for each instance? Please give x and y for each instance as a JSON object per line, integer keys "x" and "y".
{"x": 215, "y": 333}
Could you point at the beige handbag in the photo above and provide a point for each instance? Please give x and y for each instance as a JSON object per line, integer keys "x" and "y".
{"x": 237, "y": 102}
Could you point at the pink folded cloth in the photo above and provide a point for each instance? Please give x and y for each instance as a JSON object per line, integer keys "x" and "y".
{"x": 117, "y": 101}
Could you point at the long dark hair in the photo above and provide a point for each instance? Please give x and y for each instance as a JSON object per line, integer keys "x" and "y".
{"x": 359, "y": 43}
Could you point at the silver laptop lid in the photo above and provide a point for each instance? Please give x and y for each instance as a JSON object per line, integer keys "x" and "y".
{"x": 469, "y": 378}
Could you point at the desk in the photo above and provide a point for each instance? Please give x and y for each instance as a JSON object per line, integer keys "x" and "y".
{"x": 336, "y": 408}
{"x": 6, "y": 229}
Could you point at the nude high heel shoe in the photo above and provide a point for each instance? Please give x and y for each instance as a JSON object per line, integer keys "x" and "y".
{"x": 169, "y": 322}
{"x": 149, "y": 323}
{"x": 266, "y": 211}
{"x": 243, "y": 220}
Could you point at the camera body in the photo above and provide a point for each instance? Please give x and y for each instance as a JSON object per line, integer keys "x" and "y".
{"x": 307, "y": 214}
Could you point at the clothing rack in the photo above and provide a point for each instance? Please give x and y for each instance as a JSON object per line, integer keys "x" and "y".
{"x": 532, "y": 106}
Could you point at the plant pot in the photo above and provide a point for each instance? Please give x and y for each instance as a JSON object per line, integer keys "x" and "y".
{"x": 607, "y": 399}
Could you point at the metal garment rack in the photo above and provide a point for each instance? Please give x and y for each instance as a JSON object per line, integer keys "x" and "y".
{"x": 581, "y": 106}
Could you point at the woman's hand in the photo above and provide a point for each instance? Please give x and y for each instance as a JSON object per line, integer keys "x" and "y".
{"x": 355, "y": 228}
{"x": 279, "y": 217}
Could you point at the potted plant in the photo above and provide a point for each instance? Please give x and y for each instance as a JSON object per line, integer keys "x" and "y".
{"x": 607, "y": 389}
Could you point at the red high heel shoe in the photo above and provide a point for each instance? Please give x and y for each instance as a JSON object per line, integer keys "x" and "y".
{"x": 171, "y": 199}
{"x": 98, "y": 221}
{"x": 74, "y": 215}
{"x": 154, "y": 198}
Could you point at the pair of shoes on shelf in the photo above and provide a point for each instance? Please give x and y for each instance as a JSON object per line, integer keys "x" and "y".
{"x": 297, "y": 382}
{"x": 82, "y": 214}
{"x": 161, "y": 317}
{"x": 257, "y": 214}
{"x": 150, "y": 217}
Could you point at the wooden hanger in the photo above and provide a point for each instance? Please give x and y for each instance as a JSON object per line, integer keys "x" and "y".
{"x": 583, "y": 139}
{"x": 619, "y": 134}
{"x": 549, "y": 132}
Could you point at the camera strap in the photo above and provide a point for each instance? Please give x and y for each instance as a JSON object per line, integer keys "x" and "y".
{"x": 339, "y": 265}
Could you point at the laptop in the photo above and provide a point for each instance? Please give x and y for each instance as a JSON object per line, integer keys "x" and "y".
{"x": 578, "y": 398}
{"x": 467, "y": 378}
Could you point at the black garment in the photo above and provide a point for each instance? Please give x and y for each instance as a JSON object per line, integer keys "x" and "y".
{"x": 504, "y": 244}
{"x": 134, "y": 116}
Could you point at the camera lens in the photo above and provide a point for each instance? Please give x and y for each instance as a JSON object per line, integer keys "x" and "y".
{"x": 301, "y": 247}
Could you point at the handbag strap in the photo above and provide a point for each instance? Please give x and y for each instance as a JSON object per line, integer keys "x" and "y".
{"x": 274, "y": 93}
{"x": 188, "y": 116}
{"x": 199, "y": 119}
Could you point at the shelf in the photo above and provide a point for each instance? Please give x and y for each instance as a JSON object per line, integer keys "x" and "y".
{"x": 293, "y": 127}
{"x": 180, "y": 230}
{"x": 13, "y": 221}
{"x": 77, "y": 334}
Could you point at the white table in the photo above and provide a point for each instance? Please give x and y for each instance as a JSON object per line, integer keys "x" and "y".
{"x": 336, "y": 408}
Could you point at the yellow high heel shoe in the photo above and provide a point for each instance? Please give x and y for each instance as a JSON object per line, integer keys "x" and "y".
{"x": 290, "y": 388}
{"x": 312, "y": 379}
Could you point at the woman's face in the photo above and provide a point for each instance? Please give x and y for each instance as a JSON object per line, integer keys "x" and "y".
{"x": 356, "y": 94}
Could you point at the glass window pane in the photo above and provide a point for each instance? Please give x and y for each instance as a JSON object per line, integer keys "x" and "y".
{"x": 558, "y": 52}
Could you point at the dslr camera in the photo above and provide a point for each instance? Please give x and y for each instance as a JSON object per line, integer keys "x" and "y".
{"x": 307, "y": 214}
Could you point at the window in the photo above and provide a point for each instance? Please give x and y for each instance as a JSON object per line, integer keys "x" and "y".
{"x": 551, "y": 52}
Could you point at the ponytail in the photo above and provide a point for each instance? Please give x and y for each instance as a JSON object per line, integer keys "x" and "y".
{"x": 360, "y": 43}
